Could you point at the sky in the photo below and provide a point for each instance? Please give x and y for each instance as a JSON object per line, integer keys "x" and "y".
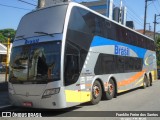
{"x": 11, "y": 12}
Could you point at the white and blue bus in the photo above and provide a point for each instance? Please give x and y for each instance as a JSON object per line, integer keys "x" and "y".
{"x": 68, "y": 54}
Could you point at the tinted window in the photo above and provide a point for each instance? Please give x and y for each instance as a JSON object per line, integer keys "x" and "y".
{"x": 110, "y": 64}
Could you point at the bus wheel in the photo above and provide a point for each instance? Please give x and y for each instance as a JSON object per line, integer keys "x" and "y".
{"x": 96, "y": 93}
{"x": 150, "y": 78}
{"x": 110, "y": 93}
{"x": 145, "y": 82}
{"x": 148, "y": 82}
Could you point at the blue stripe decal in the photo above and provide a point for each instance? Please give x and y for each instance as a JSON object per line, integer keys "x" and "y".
{"x": 100, "y": 41}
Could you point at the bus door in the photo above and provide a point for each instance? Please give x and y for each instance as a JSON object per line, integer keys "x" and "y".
{"x": 71, "y": 76}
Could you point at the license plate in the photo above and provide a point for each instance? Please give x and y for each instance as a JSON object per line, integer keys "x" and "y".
{"x": 27, "y": 104}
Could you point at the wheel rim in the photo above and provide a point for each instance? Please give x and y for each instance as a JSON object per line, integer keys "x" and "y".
{"x": 110, "y": 89}
{"x": 96, "y": 91}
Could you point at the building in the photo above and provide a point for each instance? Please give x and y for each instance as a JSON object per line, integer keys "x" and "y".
{"x": 130, "y": 24}
{"x": 3, "y": 53}
{"x": 107, "y": 8}
{"x": 104, "y": 7}
{"x": 148, "y": 33}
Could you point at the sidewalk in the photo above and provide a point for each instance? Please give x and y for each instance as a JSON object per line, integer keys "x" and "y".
{"x": 4, "y": 98}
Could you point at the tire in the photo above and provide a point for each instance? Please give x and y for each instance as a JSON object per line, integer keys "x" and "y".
{"x": 145, "y": 82}
{"x": 110, "y": 93}
{"x": 151, "y": 83}
{"x": 96, "y": 93}
{"x": 150, "y": 78}
{"x": 148, "y": 82}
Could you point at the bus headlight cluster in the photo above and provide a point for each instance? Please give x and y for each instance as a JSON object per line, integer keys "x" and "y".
{"x": 47, "y": 93}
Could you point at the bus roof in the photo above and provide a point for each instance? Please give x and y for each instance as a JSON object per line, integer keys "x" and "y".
{"x": 84, "y": 7}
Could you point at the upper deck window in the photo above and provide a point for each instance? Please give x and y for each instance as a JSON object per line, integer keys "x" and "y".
{"x": 49, "y": 20}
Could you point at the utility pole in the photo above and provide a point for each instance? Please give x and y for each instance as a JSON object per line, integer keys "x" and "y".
{"x": 7, "y": 57}
{"x": 155, "y": 27}
{"x": 145, "y": 16}
{"x": 155, "y": 23}
{"x": 149, "y": 26}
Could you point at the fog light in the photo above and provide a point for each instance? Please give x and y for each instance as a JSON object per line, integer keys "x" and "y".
{"x": 49, "y": 92}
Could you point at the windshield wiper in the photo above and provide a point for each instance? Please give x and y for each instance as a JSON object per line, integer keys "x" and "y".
{"x": 22, "y": 36}
{"x": 43, "y": 33}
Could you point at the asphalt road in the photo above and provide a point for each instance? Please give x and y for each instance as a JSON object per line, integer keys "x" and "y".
{"x": 135, "y": 100}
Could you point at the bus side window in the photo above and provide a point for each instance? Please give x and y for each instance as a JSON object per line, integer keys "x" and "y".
{"x": 71, "y": 69}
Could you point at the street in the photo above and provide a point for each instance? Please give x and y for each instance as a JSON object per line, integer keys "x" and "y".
{"x": 135, "y": 100}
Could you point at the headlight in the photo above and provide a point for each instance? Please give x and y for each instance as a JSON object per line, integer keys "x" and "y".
{"x": 47, "y": 93}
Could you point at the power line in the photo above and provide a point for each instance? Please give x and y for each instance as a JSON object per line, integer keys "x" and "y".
{"x": 155, "y": 6}
{"x": 133, "y": 11}
{"x": 135, "y": 18}
{"x": 14, "y": 7}
{"x": 34, "y": 1}
{"x": 158, "y": 3}
{"x": 27, "y": 2}
{"x": 130, "y": 12}
{"x": 135, "y": 21}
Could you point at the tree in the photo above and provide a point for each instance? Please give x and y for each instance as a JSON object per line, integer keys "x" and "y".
{"x": 158, "y": 51}
{"x": 2, "y": 38}
{"x": 4, "y": 35}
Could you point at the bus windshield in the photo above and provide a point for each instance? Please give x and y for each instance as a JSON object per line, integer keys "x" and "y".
{"x": 39, "y": 63}
{"x": 49, "y": 20}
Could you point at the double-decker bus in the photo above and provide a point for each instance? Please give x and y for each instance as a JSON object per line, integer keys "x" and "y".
{"x": 68, "y": 54}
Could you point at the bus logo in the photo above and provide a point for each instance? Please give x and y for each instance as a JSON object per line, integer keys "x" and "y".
{"x": 122, "y": 50}
{"x": 31, "y": 41}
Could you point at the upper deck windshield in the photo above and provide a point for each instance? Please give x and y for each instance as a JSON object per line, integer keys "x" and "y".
{"x": 39, "y": 63}
{"x": 49, "y": 20}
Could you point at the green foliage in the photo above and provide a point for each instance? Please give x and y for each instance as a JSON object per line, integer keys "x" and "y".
{"x": 2, "y": 38}
{"x": 4, "y": 35}
{"x": 158, "y": 51}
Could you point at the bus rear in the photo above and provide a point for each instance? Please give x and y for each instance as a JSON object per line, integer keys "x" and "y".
{"x": 35, "y": 65}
